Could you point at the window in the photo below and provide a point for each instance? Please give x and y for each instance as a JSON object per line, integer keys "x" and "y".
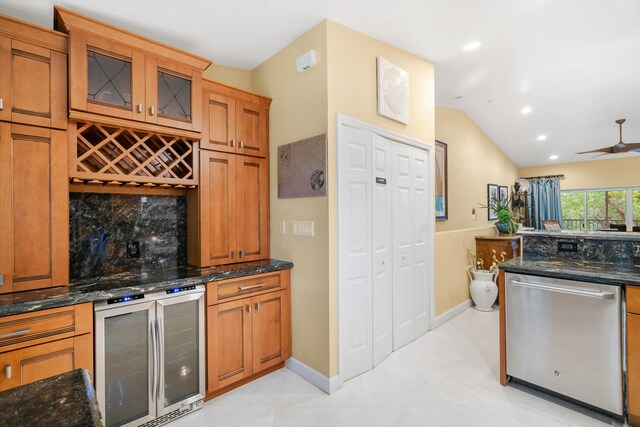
{"x": 607, "y": 209}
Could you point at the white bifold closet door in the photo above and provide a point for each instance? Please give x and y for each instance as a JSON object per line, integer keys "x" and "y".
{"x": 383, "y": 220}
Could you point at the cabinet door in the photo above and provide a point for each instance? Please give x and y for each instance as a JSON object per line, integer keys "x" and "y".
{"x": 218, "y": 129}
{"x": 251, "y": 129}
{"x": 106, "y": 77}
{"x": 33, "y": 84}
{"x": 228, "y": 343}
{"x": 34, "y": 221}
{"x": 252, "y": 208}
{"x": 633, "y": 367}
{"x": 270, "y": 329}
{"x": 217, "y": 208}
{"x": 173, "y": 95}
{"x": 35, "y": 363}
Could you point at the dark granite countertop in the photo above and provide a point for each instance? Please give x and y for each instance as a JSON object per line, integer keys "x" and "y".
{"x": 130, "y": 283}
{"x": 564, "y": 268}
{"x": 591, "y": 235}
{"x": 64, "y": 400}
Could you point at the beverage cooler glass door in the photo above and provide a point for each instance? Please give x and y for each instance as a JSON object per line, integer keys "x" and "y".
{"x": 180, "y": 327}
{"x": 124, "y": 357}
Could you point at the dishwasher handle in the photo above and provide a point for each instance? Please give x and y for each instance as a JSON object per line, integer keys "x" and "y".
{"x": 569, "y": 291}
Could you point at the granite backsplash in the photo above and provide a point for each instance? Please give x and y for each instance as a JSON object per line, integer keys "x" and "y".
{"x": 103, "y": 228}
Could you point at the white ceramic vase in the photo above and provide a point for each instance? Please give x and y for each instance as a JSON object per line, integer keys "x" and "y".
{"x": 483, "y": 288}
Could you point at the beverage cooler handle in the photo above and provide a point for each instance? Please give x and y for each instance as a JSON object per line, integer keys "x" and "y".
{"x": 154, "y": 362}
{"x": 160, "y": 357}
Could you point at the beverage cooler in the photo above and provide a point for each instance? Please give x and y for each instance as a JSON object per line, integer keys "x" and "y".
{"x": 150, "y": 356}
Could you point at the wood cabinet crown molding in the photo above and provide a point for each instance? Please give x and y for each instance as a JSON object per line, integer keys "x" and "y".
{"x": 66, "y": 20}
{"x": 15, "y": 28}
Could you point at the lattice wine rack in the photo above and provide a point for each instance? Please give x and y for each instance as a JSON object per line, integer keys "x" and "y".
{"x": 123, "y": 156}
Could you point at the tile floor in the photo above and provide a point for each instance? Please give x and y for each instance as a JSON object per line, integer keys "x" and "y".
{"x": 448, "y": 377}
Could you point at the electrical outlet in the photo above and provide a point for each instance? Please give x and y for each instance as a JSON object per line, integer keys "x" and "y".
{"x": 283, "y": 227}
{"x": 133, "y": 250}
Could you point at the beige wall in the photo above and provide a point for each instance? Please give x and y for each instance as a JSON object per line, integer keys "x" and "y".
{"x": 299, "y": 110}
{"x": 230, "y": 76}
{"x": 474, "y": 160}
{"x": 608, "y": 173}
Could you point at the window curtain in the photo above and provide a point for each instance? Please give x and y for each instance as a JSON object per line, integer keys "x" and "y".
{"x": 545, "y": 196}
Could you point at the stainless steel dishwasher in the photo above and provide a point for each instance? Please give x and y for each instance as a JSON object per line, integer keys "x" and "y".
{"x": 566, "y": 337}
{"x": 150, "y": 356}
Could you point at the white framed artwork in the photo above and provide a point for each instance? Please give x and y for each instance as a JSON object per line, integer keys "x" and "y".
{"x": 393, "y": 91}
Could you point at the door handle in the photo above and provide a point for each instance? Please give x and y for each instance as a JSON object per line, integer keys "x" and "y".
{"x": 154, "y": 363}
{"x": 246, "y": 288}
{"x": 160, "y": 357}
{"x": 7, "y": 371}
{"x": 16, "y": 333}
{"x": 152, "y": 110}
{"x": 241, "y": 253}
{"x": 1, "y": 104}
{"x": 249, "y": 308}
{"x": 233, "y": 254}
{"x": 257, "y": 306}
{"x": 139, "y": 108}
{"x": 569, "y": 291}
{"x": 241, "y": 143}
{"x": 233, "y": 142}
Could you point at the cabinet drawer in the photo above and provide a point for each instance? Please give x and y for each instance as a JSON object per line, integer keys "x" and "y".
{"x": 38, "y": 327}
{"x": 633, "y": 299}
{"x": 228, "y": 290}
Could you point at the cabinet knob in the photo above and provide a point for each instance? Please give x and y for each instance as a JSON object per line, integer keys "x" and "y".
{"x": 139, "y": 108}
{"x": 257, "y": 306}
{"x": 233, "y": 254}
{"x": 248, "y": 308}
{"x": 1, "y": 104}
{"x": 241, "y": 253}
{"x": 152, "y": 110}
{"x": 233, "y": 142}
{"x": 241, "y": 143}
{"x": 7, "y": 371}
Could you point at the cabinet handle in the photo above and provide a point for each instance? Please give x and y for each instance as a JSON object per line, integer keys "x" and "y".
{"x": 249, "y": 308}
{"x": 241, "y": 143}
{"x": 139, "y": 108}
{"x": 233, "y": 254}
{"x": 152, "y": 110}
{"x": 1, "y": 279}
{"x": 233, "y": 142}
{"x": 246, "y": 288}
{"x": 257, "y": 306}
{"x": 16, "y": 333}
{"x": 241, "y": 253}
{"x": 1, "y": 104}
{"x": 7, "y": 371}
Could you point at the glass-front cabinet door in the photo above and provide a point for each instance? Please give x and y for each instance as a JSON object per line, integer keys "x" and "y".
{"x": 125, "y": 373}
{"x": 173, "y": 95}
{"x": 106, "y": 77}
{"x": 181, "y": 331}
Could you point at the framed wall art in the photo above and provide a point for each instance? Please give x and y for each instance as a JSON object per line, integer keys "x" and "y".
{"x": 302, "y": 168}
{"x": 441, "y": 193}
{"x": 492, "y": 194}
{"x": 504, "y": 193}
{"x": 393, "y": 91}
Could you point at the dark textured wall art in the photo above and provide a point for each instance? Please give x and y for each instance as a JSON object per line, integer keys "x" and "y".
{"x": 302, "y": 168}
{"x": 106, "y": 231}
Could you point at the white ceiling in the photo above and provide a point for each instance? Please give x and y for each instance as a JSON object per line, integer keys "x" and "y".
{"x": 575, "y": 63}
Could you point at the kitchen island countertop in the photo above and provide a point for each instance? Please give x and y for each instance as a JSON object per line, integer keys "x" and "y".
{"x": 131, "y": 283}
{"x": 564, "y": 268}
{"x": 66, "y": 399}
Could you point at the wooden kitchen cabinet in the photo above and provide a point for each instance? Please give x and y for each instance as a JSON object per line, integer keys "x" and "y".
{"x": 119, "y": 74}
{"x": 633, "y": 354}
{"x": 232, "y": 203}
{"x": 485, "y": 245}
{"x": 33, "y": 75}
{"x": 250, "y": 333}
{"x": 234, "y": 121}
{"x": 34, "y": 220}
{"x": 45, "y": 343}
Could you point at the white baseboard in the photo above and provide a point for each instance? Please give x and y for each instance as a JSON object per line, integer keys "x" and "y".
{"x": 324, "y": 383}
{"x": 448, "y": 315}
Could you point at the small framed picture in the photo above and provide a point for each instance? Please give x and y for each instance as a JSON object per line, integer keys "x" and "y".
{"x": 504, "y": 193}
{"x": 492, "y": 194}
{"x": 442, "y": 204}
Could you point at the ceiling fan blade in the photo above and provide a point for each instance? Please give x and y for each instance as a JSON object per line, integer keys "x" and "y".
{"x": 629, "y": 147}
{"x": 606, "y": 150}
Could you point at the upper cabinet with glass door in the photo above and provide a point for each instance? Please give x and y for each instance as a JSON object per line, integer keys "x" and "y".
{"x": 118, "y": 74}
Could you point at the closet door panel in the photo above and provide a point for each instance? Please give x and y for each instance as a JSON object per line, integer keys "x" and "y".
{"x": 421, "y": 197}
{"x": 382, "y": 281}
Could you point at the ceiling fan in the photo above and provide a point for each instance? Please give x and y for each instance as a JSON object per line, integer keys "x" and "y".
{"x": 620, "y": 147}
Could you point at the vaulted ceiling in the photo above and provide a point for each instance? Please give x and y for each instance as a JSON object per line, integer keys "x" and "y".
{"x": 575, "y": 64}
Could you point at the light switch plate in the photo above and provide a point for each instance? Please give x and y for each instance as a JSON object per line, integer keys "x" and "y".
{"x": 283, "y": 227}
{"x": 303, "y": 228}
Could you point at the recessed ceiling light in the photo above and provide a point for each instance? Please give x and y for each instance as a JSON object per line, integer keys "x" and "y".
{"x": 526, "y": 110}
{"x": 542, "y": 137}
{"x": 458, "y": 97}
{"x": 471, "y": 46}
{"x": 553, "y": 157}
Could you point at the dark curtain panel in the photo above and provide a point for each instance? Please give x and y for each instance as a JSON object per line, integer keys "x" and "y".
{"x": 545, "y": 194}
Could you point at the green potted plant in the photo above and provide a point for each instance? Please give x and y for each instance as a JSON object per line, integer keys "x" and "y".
{"x": 506, "y": 222}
